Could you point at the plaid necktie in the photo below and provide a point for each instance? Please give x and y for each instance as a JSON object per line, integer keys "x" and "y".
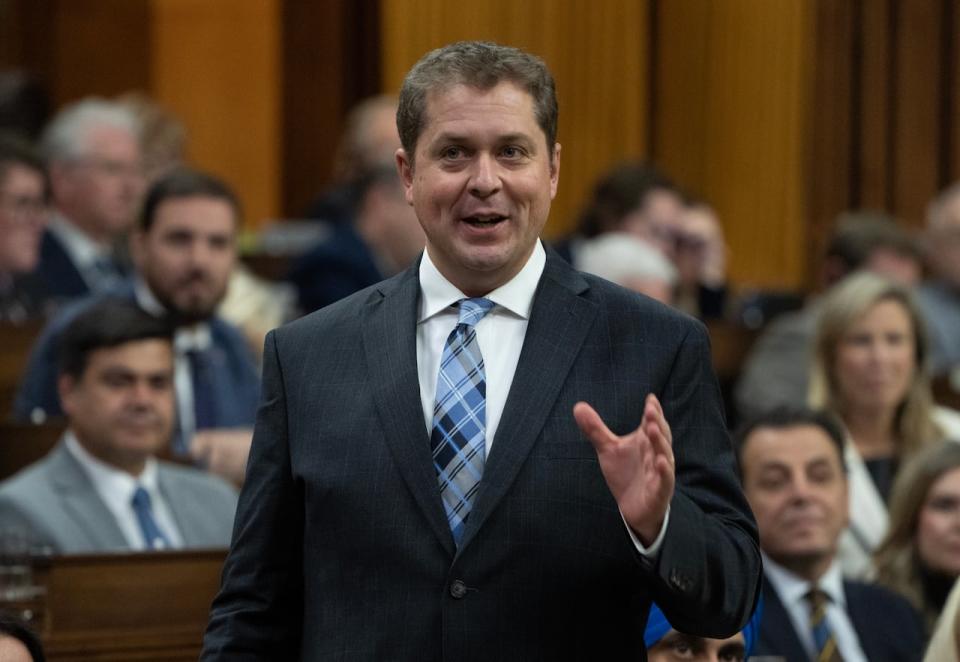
{"x": 823, "y": 642}
{"x": 152, "y": 534}
{"x": 460, "y": 416}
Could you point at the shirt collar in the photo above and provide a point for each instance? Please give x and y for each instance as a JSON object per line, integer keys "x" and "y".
{"x": 107, "y": 478}
{"x": 792, "y": 588}
{"x": 516, "y": 295}
{"x": 185, "y": 338}
{"x": 82, "y": 249}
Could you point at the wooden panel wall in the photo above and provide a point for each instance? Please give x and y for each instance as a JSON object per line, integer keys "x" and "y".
{"x": 215, "y": 63}
{"x": 597, "y": 52}
{"x": 732, "y": 82}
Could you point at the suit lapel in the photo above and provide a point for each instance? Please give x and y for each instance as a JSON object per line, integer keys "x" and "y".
{"x": 861, "y": 619}
{"x": 81, "y": 501}
{"x": 777, "y": 634}
{"x": 390, "y": 348}
{"x": 558, "y": 326}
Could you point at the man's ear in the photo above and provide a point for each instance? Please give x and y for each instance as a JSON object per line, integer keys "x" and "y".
{"x": 66, "y": 389}
{"x": 405, "y": 170}
{"x": 554, "y": 170}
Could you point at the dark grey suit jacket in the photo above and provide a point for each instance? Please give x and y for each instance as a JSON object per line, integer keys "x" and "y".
{"x": 54, "y": 503}
{"x": 341, "y": 549}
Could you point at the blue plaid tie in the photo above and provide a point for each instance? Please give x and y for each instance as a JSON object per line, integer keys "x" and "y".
{"x": 460, "y": 416}
{"x": 152, "y": 534}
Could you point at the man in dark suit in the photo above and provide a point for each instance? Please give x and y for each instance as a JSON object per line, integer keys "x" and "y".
{"x": 426, "y": 481}
{"x": 96, "y": 181}
{"x": 184, "y": 249}
{"x": 793, "y": 475}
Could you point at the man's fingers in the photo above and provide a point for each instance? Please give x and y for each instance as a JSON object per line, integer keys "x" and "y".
{"x": 592, "y": 426}
{"x": 653, "y": 412}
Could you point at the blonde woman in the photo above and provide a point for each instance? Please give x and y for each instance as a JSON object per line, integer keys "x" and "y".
{"x": 920, "y": 555}
{"x": 869, "y": 363}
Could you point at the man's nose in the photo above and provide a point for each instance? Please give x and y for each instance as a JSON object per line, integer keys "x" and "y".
{"x": 485, "y": 176}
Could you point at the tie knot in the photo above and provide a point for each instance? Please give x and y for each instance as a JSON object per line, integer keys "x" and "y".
{"x": 817, "y": 597}
{"x": 473, "y": 310}
{"x": 141, "y": 498}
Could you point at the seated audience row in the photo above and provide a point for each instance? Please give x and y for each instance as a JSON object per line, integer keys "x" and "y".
{"x": 184, "y": 249}
{"x": 870, "y": 352}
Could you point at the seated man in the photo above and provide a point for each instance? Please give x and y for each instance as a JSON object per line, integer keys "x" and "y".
{"x": 184, "y": 251}
{"x": 96, "y": 180}
{"x": 793, "y": 475}
{"x": 664, "y": 644}
{"x": 101, "y": 489}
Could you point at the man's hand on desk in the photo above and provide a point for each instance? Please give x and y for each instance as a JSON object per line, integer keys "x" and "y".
{"x": 638, "y": 467}
{"x": 223, "y": 452}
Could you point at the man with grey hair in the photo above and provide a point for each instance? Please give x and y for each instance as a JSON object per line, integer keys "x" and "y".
{"x": 96, "y": 182}
{"x": 939, "y": 297}
{"x": 427, "y": 481}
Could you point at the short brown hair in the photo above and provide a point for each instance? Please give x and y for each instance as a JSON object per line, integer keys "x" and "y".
{"x": 479, "y": 64}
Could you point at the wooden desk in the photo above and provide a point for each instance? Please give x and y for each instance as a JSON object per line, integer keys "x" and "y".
{"x": 118, "y": 607}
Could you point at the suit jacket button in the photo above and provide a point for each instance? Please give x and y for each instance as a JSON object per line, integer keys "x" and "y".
{"x": 458, "y": 589}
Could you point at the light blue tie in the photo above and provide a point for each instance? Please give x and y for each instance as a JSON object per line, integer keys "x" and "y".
{"x": 152, "y": 534}
{"x": 460, "y": 415}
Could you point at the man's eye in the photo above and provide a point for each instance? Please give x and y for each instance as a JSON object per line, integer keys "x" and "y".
{"x": 452, "y": 153}
{"x": 512, "y": 152}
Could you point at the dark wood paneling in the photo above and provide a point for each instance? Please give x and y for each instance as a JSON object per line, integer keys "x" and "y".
{"x": 873, "y": 114}
{"x": 330, "y": 60}
{"x": 918, "y": 128}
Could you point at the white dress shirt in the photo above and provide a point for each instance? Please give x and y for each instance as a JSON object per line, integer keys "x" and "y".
{"x": 116, "y": 488}
{"x": 792, "y": 590}
{"x": 185, "y": 339}
{"x": 500, "y": 335}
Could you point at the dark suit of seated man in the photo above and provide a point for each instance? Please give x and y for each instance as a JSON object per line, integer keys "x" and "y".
{"x": 426, "y": 481}
{"x": 101, "y": 489}
{"x": 184, "y": 249}
{"x": 791, "y": 462}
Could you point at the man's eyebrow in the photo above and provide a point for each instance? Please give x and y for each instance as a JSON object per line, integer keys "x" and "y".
{"x": 737, "y": 648}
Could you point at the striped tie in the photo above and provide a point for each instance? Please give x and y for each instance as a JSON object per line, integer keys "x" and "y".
{"x": 460, "y": 415}
{"x": 823, "y": 642}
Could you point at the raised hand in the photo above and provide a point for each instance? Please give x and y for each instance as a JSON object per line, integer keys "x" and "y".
{"x": 638, "y": 467}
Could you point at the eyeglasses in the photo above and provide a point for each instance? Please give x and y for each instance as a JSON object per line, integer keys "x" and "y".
{"x": 23, "y": 206}
{"x": 112, "y": 168}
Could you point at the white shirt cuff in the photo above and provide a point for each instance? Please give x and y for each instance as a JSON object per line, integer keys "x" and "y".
{"x": 651, "y": 551}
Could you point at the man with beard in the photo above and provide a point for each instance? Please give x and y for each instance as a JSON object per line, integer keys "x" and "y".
{"x": 183, "y": 249}
{"x": 101, "y": 488}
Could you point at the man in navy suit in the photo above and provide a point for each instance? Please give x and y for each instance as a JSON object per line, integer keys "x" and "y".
{"x": 96, "y": 181}
{"x": 184, "y": 249}
{"x": 791, "y": 462}
{"x": 427, "y": 481}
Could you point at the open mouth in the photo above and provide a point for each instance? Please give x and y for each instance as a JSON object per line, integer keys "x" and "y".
{"x": 484, "y": 221}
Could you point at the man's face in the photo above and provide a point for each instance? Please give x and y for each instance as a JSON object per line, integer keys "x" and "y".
{"x": 481, "y": 184}
{"x": 678, "y": 647}
{"x": 794, "y": 481}
{"x": 23, "y": 215}
{"x": 100, "y": 190}
{"x": 943, "y": 244}
{"x": 187, "y": 254}
{"x": 657, "y": 221}
{"x": 121, "y": 408}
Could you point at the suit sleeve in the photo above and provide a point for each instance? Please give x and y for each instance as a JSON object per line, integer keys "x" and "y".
{"x": 258, "y": 613}
{"x": 708, "y": 570}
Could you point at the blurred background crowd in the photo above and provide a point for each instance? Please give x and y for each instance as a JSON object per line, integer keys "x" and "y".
{"x": 139, "y": 275}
